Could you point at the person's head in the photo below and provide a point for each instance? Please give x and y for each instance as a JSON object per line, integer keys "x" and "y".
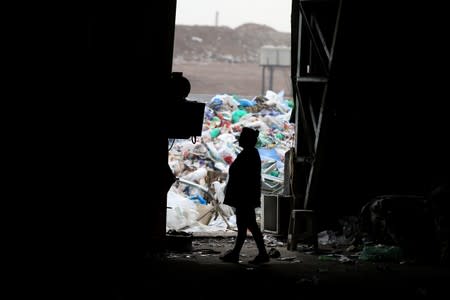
{"x": 248, "y": 137}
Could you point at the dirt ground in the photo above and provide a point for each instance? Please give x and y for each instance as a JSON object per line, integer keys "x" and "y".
{"x": 299, "y": 274}
{"x": 233, "y": 78}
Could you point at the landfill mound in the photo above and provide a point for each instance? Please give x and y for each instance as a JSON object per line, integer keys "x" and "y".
{"x": 224, "y": 44}
{"x": 195, "y": 200}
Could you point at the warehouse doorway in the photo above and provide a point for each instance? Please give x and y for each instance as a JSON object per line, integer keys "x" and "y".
{"x": 217, "y": 47}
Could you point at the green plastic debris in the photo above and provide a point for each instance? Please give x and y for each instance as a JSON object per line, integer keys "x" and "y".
{"x": 216, "y": 120}
{"x": 215, "y": 132}
{"x": 264, "y": 140}
{"x": 290, "y": 103}
{"x": 381, "y": 253}
{"x": 279, "y": 136}
{"x": 237, "y": 115}
{"x": 329, "y": 257}
{"x": 275, "y": 173}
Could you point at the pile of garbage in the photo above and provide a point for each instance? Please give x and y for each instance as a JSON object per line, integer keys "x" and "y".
{"x": 195, "y": 201}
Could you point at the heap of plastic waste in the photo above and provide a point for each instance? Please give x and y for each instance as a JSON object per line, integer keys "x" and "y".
{"x": 195, "y": 201}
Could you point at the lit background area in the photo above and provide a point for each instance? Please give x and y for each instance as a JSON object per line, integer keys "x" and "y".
{"x": 233, "y": 13}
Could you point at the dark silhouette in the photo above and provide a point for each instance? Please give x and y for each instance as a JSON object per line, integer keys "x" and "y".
{"x": 243, "y": 192}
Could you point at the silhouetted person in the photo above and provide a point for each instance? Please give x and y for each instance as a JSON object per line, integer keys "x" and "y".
{"x": 243, "y": 192}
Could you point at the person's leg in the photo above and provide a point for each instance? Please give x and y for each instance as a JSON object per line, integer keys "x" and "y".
{"x": 256, "y": 232}
{"x": 242, "y": 225}
{"x": 241, "y": 222}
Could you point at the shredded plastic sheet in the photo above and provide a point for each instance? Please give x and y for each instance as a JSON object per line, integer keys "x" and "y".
{"x": 181, "y": 212}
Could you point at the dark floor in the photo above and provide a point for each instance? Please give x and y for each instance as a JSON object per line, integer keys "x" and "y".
{"x": 200, "y": 274}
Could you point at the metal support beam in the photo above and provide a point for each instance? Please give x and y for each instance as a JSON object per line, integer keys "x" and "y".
{"x": 312, "y": 29}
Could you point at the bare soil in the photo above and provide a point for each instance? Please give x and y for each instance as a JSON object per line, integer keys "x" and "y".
{"x": 243, "y": 79}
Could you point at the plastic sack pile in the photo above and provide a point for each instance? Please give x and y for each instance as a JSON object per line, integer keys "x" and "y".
{"x": 195, "y": 201}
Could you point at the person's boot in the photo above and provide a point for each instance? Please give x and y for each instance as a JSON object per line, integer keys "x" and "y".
{"x": 260, "y": 258}
{"x": 230, "y": 256}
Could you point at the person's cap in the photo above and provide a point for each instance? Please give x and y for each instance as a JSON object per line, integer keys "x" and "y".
{"x": 250, "y": 132}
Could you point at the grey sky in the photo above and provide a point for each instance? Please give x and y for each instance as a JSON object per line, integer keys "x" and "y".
{"x": 232, "y": 13}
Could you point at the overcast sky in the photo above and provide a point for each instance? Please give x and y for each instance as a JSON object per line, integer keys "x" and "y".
{"x": 232, "y": 13}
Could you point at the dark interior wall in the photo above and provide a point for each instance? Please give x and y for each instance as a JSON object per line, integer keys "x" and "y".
{"x": 124, "y": 85}
{"x": 156, "y": 49}
{"x": 389, "y": 130}
{"x": 119, "y": 148}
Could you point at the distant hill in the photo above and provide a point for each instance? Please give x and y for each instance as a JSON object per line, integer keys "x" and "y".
{"x": 224, "y": 44}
